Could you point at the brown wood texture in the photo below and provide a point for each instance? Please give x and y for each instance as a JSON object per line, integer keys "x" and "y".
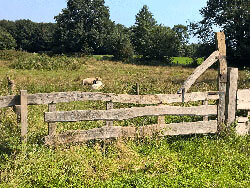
{"x": 205, "y": 102}
{"x": 24, "y": 115}
{"x": 106, "y": 132}
{"x": 52, "y": 126}
{"x": 48, "y": 98}
{"x": 222, "y": 78}
{"x": 128, "y": 113}
{"x": 109, "y": 106}
{"x": 232, "y": 86}
{"x": 199, "y": 71}
{"x": 243, "y": 99}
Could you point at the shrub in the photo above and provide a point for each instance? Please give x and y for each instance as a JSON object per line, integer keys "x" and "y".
{"x": 44, "y": 62}
{"x": 7, "y": 42}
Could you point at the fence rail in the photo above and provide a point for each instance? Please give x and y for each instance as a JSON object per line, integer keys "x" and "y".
{"x": 105, "y": 132}
{"x": 59, "y": 97}
{"x": 129, "y": 113}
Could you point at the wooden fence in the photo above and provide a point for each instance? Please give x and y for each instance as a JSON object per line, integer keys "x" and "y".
{"x": 229, "y": 98}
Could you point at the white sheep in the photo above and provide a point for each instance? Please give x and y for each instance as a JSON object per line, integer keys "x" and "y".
{"x": 97, "y": 85}
{"x": 90, "y": 81}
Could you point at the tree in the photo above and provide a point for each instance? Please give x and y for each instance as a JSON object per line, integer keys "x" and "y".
{"x": 164, "y": 42}
{"x": 82, "y": 26}
{"x": 7, "y": 42}
{"x": 233, "y": 18}
{"x": 120, "y": 45}
{"x": 183, "y": 36}
{"x": 142, "y": 30}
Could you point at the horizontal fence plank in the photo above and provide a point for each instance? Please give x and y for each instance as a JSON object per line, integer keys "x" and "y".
{"x": 8, "y": 101}
{"x": 128, "y": 113}
{"x": 243, "y": 99}
{"x": 58, "y": 97}
{"x": 106, "y": 132}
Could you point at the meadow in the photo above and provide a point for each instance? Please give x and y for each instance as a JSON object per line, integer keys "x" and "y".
{"x": 176, "y": 161}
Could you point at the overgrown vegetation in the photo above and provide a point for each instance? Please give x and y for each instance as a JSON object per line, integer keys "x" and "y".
{"x": 189, "y": 161}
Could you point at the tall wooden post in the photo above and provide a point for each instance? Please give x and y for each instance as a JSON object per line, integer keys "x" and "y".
{"x": 52, "y": 126}
{"x": 231, "y": 95}
{"x": 24, "y": 115}
{"x": 109, "y": 105}
{"x": 222, "y": 78}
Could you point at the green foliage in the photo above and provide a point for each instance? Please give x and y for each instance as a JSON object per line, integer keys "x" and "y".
{"x": 82, "y": 26}
{"x": 164, "y": 43}
{"x": 233, "y": 18}
{"x": 119, "y": 44}
{"x": 153, "y": 41}
{"x": 7, "y": 42}
{"x": 141, "y": 32}
{"x": 183, "y": 36}
{"x": 44, "y": 62}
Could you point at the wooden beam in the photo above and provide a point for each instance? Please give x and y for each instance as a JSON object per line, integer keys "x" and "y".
{"x": 48, "y": 98}
{"x": 232, "y": 86}
{"x": 106, "y": 132}
{"x": 128, "y": 113}
{"x": 222, "y": 78}
{"x": 199, "y": 71}
{"x": 109, "y": 106}
{"x": 8, "y": 101}
{"x": 243, "y": 99}
{"x": 24, "y": 115}
{"x": 52, "y": 126}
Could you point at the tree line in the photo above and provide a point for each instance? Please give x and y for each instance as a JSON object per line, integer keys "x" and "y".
{"x": 85, "y": 27}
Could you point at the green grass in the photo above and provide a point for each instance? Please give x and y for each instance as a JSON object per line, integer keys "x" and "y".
{"x": 178, "y": 161}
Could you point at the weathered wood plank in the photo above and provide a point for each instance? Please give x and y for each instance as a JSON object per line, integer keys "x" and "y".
{"x": 199, "y": 71}
{"x": 106, "y": 132}
{"x": 24, "y": 115}
{"x": 109, "y": 105}
{"x": 128, "y": 113}
{"x": 222, "y": 78}
{"x": 52, "y": 126}
{"x": 243, "y": 99}
{"x": 8, "y": 101}
{"x": 48, "y": 98}
{"x": 232, "y": 86}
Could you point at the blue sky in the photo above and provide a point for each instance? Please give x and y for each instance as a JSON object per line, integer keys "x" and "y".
{"x": 167, "y": 12}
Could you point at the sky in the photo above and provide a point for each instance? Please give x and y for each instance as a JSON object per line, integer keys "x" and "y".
{"x": 166, "y": 12}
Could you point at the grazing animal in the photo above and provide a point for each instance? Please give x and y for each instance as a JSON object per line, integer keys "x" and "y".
{"x": 90, "y": 81}
{"x": 97, "y": 85}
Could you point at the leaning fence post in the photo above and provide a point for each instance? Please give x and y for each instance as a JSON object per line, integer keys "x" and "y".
{"x": 109, "y": 105}
{"x": 24, "y": 115}
{"x": 222, "y": 78}
{"x": 52, "y": 126}
{"x": 231, "y": 95}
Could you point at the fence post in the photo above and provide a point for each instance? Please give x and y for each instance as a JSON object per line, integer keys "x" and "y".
{"x": 137, "y": 89}
{"x": 52, "y": 126}
{"x": 24, "y": 115}
{"x": 231, "y": 95}
{"x": 222, "y": 78}
{"x": 109, "y": 105}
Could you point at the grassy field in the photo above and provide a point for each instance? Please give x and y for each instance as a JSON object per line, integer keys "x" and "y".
{"x": 177, "y": 161}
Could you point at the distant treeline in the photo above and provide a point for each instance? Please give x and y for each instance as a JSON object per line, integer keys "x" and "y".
{"x": 85, "y": 27}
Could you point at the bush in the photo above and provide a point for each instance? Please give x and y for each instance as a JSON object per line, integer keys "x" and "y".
{"x": 44, "y": 62}
{"x": 7, "y": 42}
